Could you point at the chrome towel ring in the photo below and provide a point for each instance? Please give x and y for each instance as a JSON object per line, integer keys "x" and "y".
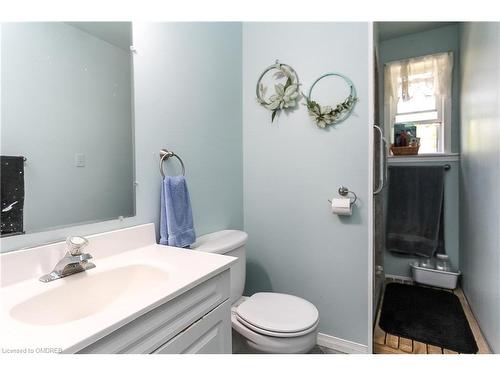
{"x": 165, "y": 155}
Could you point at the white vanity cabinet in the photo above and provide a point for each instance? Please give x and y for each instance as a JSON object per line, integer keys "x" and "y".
{"x": 196, "y": 321}
{"x": 209, "y": 335}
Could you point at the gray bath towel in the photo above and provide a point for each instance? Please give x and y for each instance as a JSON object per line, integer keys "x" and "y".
{"x": 415, "y": 207}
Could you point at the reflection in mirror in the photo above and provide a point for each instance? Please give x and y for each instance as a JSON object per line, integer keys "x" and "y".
{"x": 66, "y": 124}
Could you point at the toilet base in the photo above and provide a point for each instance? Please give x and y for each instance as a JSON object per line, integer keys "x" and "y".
{"x": 257, "y": 343}
{"x": 243, "y": 346}
{"x": 240, "y": 345}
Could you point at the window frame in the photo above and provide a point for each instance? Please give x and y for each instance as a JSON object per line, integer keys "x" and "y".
{"x": 443, "y": 108}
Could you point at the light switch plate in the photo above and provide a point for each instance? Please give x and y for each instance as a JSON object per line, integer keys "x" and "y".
{"x": 79, "y": 160}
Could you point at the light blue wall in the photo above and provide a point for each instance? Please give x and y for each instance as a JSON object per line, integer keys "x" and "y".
{"x": 480, "y": 179}
{"x": 187, "y": 98}
{"x": 395, "y": 264}
{"x": 425, "y": 43}
{"x": 292, "y": 168}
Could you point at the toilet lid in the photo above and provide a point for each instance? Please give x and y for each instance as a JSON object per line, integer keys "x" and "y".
{"x": 276, "y": 312}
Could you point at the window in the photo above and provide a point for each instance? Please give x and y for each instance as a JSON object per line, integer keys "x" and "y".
{"x": 418, "y": 97}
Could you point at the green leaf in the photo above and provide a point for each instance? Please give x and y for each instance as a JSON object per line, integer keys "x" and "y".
{"x": 280, "y": 89}
{"x": 263, "y": 89}
{"x": 290, "y": 89}
{"x": 273, "y": 115}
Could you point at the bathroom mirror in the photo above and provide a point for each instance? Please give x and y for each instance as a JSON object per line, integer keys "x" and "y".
{"x": 66, "y": 124}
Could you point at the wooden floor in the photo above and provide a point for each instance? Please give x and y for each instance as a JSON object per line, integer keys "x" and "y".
{"x": 385, "y": 343}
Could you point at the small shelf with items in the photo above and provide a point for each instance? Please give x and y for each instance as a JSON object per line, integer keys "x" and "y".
{"x": 405, "y": 148}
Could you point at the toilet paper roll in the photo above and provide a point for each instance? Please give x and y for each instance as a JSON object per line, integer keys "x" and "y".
{"x": 341, "y": 206}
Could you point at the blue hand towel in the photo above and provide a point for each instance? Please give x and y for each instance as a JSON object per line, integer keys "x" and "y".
{"x": 176, "y": 218}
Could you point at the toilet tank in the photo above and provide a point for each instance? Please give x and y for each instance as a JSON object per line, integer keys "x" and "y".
{"x": 232, "y": 243}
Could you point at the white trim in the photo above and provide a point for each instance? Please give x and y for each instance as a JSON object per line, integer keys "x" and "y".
{"x": 446, "y": 116}
{"x": 341, "y": 345}
{"x": 369, "y": 189}
{"x": 423, "y": 158}
{"x": 397, "y": 277}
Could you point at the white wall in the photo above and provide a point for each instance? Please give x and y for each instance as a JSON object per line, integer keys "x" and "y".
{"x": 64, "y": 92}
{"x": 187, "y": 79}
{"x": 292, "y": 168}
{"x": 480, "y": 179}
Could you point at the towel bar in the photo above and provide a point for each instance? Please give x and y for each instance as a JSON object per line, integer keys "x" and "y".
{"x": 446, "y": 167}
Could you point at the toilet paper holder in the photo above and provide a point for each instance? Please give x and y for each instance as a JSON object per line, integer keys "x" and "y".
{"x": 344, "y": 191}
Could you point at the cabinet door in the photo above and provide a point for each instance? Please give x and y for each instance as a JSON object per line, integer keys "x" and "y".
{"x": 151, "y": 330}
{"x": 209, "y": 335}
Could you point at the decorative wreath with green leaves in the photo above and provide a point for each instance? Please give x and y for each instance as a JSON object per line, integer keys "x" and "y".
{"x": 285, "y": 96}
{"x": 329, "y": 115}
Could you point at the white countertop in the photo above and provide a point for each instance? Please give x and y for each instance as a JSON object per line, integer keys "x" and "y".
{"x": 178, "y": 271}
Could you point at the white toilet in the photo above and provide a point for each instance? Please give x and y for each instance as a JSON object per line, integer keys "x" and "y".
{"x": 269, "y": 322}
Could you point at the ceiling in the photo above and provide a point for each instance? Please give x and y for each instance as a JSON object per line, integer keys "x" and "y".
{"x": 390, "y": 30}
{"x": 116, "y": 33}
{"x": 119, "y": 33}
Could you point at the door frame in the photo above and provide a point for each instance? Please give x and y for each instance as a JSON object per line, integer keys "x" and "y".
{"x": 371, "y": 119}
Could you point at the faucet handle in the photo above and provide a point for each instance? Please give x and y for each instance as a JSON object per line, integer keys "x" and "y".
{"x": 76, "y": 244}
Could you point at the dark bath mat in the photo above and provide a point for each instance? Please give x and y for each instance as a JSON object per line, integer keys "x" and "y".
{"x": 427, "y": 315}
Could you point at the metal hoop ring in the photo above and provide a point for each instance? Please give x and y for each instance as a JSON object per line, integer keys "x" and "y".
{"x": 165, "y": 155}
{"x": 276, "y": 65}
{"x": 352, "y": 93}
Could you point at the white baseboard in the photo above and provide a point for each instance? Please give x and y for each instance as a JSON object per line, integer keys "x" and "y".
{"x": 397, "y": 277}
{"x": 341, "y": 345}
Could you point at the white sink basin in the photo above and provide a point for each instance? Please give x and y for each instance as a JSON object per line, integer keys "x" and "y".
{"x": 87, "y": 293}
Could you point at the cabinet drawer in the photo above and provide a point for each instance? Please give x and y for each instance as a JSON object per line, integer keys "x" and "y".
{"x": 209, "y": 335}
{"x": 149, "y": 331}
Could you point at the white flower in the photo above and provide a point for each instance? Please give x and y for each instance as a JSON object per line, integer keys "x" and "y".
{"x": 283, "y": 98}
{"x": 323, "y": 116}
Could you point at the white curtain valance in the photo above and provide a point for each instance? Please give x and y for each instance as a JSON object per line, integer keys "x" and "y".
{"x": 432, "y": 72}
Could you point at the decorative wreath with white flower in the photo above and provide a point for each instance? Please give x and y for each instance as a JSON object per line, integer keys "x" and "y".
{"x": 329, "y": 115}
{"x": 285, "y": 95}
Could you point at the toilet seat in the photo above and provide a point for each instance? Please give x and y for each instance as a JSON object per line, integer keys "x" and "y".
{"x": 269, "y": 344}
{"x": 276, "y": 334}
{"x": 278, "y": 315}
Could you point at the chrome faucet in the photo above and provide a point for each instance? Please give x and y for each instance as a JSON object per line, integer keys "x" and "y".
{"x": 73, "y": 262}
